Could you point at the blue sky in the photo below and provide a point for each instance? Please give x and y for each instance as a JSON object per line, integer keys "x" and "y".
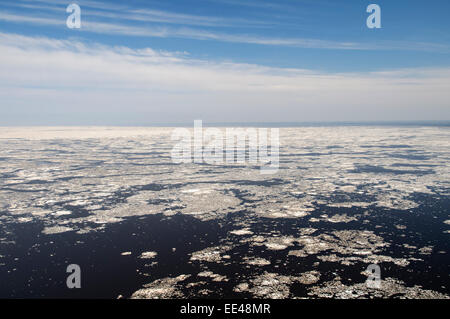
{"x": 278, "y": 46}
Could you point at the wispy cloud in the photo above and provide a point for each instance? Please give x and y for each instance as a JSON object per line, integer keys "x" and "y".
{"x": 101, "y": 27}
{"x": 120, "y": 12}
{"x": 256, "y": 4}
{"x": 11, "y": 17}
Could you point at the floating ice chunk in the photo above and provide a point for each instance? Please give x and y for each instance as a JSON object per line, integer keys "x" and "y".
{"x": 62, "y": 213}
{"x": 213, "y": 276}
{"x": 56, "y": 230}
{"x": 161, "y": 289}
{"x": 148, "y": 255}
{"x": 257, "y": 261}
{"x": 241, "y": 232}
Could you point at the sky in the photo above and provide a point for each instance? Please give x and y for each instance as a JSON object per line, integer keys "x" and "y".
{"x": 147, "y": 62}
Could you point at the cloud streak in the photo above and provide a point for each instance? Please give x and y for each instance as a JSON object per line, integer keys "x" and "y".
{"x": 112, "y": 11}
{"x": 160, "y": 29}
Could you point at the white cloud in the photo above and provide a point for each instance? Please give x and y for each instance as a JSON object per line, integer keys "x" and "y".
{"x": 43, "y": 78}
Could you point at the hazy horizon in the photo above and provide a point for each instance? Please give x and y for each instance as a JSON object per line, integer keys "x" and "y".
{"x": 438, "y": 123}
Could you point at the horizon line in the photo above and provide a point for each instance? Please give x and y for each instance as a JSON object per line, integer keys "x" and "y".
{"x": 284, "y": 124}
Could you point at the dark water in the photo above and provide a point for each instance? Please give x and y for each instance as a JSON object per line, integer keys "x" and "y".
{"x": 35, "y": 264}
